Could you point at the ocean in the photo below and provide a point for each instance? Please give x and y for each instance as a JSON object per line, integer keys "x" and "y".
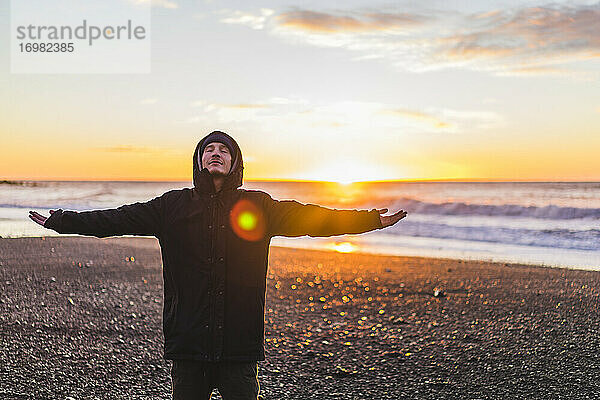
{"x": 550, "y": 224}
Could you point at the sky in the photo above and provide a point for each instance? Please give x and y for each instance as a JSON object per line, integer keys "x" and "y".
{"x": 337, "y": 91}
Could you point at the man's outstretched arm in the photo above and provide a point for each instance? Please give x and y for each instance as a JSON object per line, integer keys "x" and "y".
{"x": 291, "y": 218}
{"x": 132, "y": 219}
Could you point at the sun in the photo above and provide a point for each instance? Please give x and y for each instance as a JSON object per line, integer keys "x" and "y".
{"x": 346, "y": 172}
{"x": 343, "y": 247}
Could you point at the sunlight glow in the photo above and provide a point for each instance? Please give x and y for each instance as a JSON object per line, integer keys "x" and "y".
{"x": 343, "y": 247}
{"x": 349, "y": 171}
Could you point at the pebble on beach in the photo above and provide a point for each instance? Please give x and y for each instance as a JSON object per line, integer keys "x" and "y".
{"x": 337, "y": 326}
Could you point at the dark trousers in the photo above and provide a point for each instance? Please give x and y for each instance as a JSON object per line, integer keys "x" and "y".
{"x": 196, "y": 380}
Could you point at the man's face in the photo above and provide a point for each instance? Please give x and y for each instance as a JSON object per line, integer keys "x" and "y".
{"x": 216, "y": 158}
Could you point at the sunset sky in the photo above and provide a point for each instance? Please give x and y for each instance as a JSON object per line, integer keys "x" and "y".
{"x": 314, "y": 90}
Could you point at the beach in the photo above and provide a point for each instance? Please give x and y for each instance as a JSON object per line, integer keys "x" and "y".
{"x": 81, "y": 318}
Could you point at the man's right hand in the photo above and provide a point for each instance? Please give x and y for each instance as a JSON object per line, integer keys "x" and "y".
{"x": 39, "y": 218}
{"x": 389, "y": 220}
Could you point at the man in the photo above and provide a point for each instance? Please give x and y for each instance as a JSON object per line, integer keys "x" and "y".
{"x": 214, "y": 240}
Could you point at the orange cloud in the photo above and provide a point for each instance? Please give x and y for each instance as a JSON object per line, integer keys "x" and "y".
{"x": 320, "y": 22}
{"x": 528, "y": 40}
{"x": 470, "y": 51}
{"x": 488, "y": 14}
{"x": 521, "y": 40}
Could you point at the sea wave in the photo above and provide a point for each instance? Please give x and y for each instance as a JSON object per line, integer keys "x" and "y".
{"x": 508, "y": 210}
{"x": 555, "y": 238}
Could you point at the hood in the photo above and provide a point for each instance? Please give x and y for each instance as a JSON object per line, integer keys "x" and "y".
{"x": 203, "y": 180}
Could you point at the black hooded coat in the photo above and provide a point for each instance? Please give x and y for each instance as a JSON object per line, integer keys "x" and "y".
{"x": 215, "y": 248}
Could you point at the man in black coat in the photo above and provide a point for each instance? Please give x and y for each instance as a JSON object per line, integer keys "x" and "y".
{"x": 214, "y": 240}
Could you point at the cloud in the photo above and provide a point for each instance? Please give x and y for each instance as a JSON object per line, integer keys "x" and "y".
{"x": 268, "y": 103}
{"x": 238, "y": 106}
{"x": 444, "y": 119}
{"x": 321, "y": 22}
{"x": 528, "y": 41}
{"x": 342, "y": 118}
{"x": 533, "y": 71}
{"x": 244, "y": 105}
{"x": 251, "y": 20}
{"x": 286, "y": 101}
{"x": 278, "y": 103}
{"x": 476, "y": 120}
{"x": 225, "y": 112}
{"x": 542, "y": 40}
{"x": 419, "y": 116}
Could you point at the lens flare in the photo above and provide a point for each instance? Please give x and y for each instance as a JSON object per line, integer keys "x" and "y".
{"x": 247, "y": 221}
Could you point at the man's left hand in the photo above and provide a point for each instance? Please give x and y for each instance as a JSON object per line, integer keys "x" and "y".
{"x": 389, "y": 220}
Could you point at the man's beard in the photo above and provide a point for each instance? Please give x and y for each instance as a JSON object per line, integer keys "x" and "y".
{"x": 219, "y": 174}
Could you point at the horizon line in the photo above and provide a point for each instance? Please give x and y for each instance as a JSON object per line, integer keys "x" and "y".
{"x": 422, "y": 180}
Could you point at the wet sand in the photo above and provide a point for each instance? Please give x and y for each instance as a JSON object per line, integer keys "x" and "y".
{"x": 81, "y": 317}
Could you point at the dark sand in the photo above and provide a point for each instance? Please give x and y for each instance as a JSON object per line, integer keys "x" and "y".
{"x": 80, "y": 319}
